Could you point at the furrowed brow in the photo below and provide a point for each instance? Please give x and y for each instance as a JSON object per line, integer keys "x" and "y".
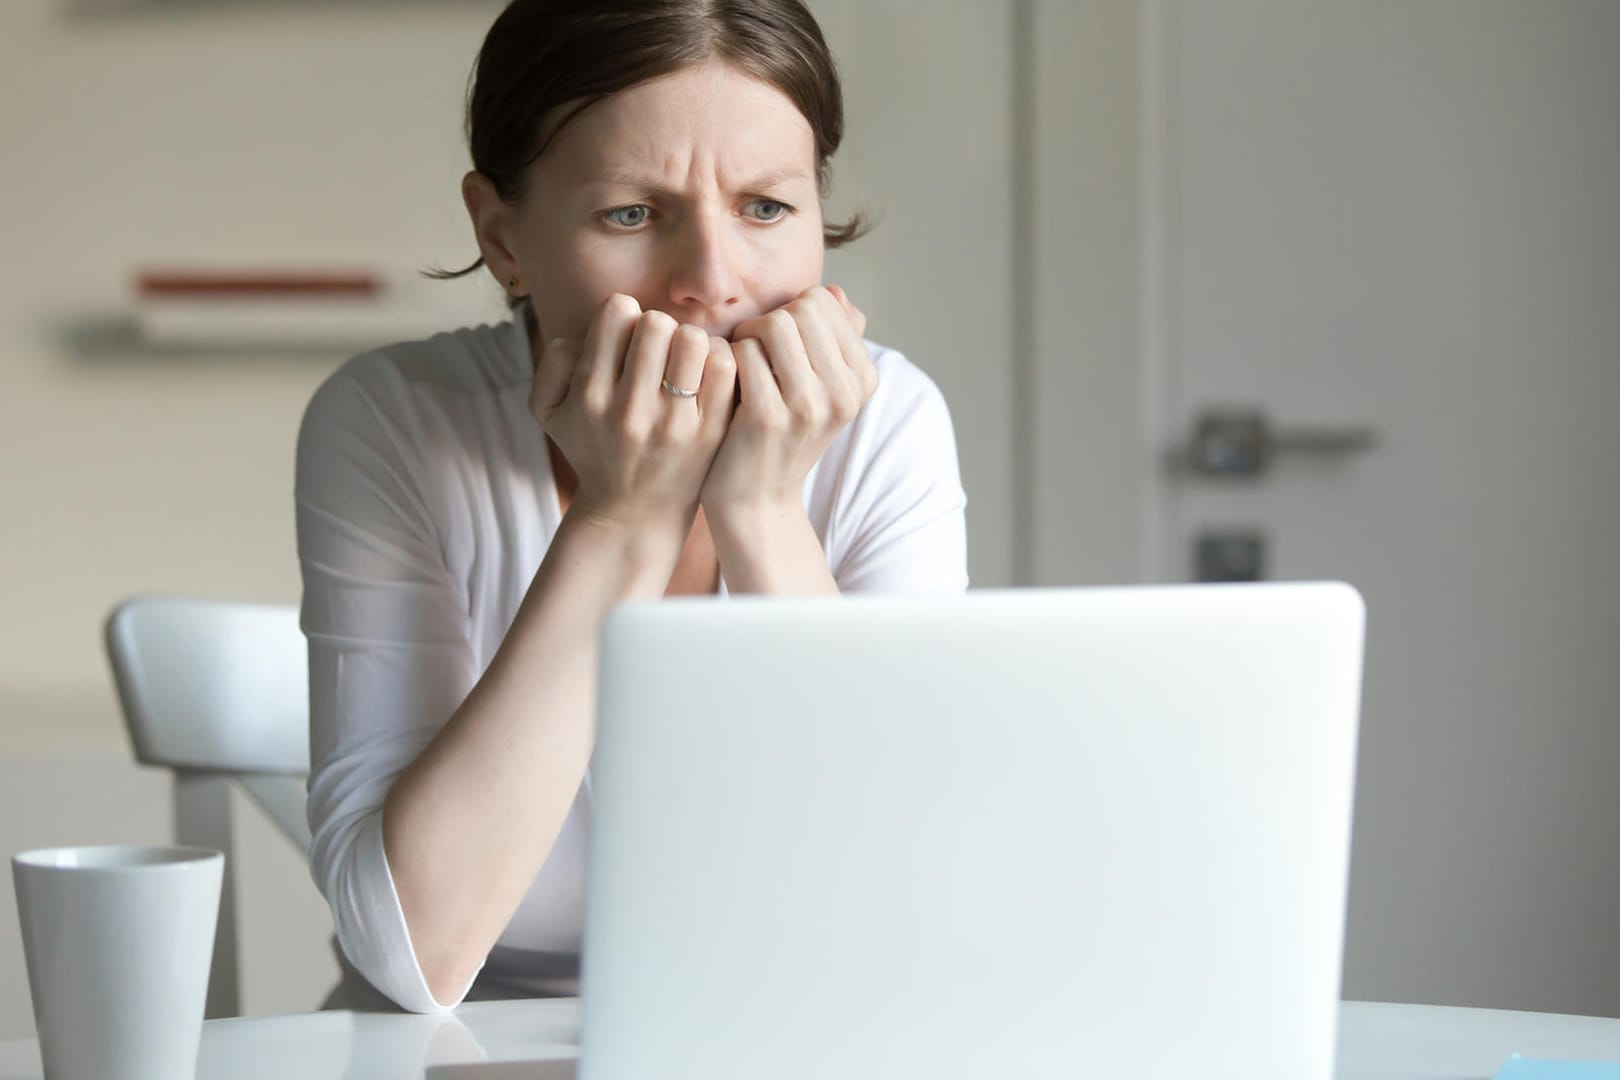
{"x": 645, "y": 183}
{"x": 774, "y": 177}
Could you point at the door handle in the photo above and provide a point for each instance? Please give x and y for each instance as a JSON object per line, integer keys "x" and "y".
{"x": 1243, "y": 442}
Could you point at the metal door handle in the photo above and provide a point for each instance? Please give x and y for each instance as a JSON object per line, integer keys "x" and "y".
{"x": 1243, "y": 443}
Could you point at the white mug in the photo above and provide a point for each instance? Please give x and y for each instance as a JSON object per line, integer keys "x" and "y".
{"x": 118, "y": 942}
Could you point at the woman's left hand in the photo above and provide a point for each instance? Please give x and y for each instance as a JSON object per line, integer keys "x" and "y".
{"x": 803, "y": 373}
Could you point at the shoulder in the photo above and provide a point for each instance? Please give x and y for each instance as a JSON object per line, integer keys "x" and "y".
{"x": 901, "y": 383}
{"x": 392, "y": 411}
{"x": 906, "y": 408}
{"x": 888, "y": 497}
{"x": 469, "y": 361}
{"x": 902, "y": 435}
{"x": 397, "y": 384}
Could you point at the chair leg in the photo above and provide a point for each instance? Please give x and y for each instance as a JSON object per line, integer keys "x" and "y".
{"x": 202, "y": 818}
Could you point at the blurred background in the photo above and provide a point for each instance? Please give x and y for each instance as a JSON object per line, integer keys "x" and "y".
{"x": 1249, "y": 290}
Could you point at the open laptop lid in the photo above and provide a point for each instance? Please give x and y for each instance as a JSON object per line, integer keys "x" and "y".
{"x": 1023, "y": 833}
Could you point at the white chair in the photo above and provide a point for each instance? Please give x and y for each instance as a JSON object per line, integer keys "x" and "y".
{"x": 217, "y": 692}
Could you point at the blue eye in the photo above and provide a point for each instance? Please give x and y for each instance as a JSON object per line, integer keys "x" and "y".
{"x": 628, "y": 216}
{"x": 772, "y": 210}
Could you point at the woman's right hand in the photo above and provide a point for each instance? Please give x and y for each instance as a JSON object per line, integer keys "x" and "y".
{"x": 641, "y": 453}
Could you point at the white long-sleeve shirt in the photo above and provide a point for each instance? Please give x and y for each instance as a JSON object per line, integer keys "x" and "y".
{"x": 425, "y": 503}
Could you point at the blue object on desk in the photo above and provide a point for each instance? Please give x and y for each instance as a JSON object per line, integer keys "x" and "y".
{"x": 1519, "y": 1068}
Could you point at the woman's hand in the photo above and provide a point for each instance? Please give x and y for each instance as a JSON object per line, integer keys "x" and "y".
{"x": 640, "y": 452}
{"x": 803, "y": 373}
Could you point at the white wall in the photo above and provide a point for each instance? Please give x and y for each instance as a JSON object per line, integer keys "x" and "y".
{"x": 1087, "y": 400}
{"x": 274, "y": 133}
{"x": 297, "y": 132}
{"x": 331, "y": 134}
{"x": 241, "y": 133}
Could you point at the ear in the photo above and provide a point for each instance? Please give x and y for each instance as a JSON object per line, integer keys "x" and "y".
{"x": 492, "y": 223}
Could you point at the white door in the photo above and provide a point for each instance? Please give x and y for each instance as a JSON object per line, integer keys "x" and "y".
{"x": 1403, "y": 218}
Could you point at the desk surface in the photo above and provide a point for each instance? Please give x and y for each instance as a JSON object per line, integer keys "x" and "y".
{"x": 1376, "y": 1042}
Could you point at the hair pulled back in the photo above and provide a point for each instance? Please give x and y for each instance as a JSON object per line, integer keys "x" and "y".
{"x": 542, "y": 54}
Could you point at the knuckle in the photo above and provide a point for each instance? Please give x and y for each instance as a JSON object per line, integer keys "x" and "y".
{"x": 866, "y": 380}
{"x": 659, "y": 320}
{"x": 780, "y": 320}
{"x": 772, "y": 420}
{"x": 622, "y": 306}
{"x": 814, "y": 415}
{"x": 692, "y": 338}
{"x": 635, "y": 426}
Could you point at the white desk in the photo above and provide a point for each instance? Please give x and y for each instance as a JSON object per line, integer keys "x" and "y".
{"x": 1376, "y": 1042}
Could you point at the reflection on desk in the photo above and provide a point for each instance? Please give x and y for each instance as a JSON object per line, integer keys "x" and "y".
{"x": 1376, "y": 1042}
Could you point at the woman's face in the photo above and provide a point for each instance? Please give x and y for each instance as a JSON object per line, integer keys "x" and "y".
{"x": 694, "y": 193}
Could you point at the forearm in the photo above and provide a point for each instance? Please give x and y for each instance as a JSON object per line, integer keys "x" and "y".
{"x": 467, "y": 826}
{"x": 772, "y": 550}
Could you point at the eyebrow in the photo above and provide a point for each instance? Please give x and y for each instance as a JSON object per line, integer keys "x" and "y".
{"x": 643, "y": 183}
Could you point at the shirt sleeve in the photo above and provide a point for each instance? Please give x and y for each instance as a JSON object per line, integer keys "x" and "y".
{"x": 389, "y": 654}
{"x": 901, "y": 509}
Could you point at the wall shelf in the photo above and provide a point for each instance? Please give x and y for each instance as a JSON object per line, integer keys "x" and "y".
{"x": 226, "y": 314}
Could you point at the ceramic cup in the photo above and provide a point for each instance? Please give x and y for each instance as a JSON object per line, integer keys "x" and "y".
{"x": 118, "y": 942}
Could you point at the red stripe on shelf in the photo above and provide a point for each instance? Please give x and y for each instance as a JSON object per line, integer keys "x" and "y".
{"x": 197, "y": 283}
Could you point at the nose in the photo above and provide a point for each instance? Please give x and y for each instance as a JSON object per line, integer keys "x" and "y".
{"x": 705, "y": 272}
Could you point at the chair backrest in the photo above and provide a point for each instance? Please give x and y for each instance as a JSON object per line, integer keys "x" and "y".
{"x": 211, "y": 685}
{"x": 218, "y": 693}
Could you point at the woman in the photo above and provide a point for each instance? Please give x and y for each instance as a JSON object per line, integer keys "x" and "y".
{"x": 677, "y": 406}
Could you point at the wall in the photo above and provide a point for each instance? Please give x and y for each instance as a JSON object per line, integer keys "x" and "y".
{"x": 331, "y": 134}
{"x": 1088, "y": 398}
{"x": 172, "y": 134}
{"x": 247, "y": 132}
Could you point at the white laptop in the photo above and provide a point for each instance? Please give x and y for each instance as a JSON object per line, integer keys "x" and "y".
{"x": 1037, "y": 833}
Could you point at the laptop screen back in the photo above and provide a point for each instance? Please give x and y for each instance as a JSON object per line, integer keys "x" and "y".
{"x": 1021, "y": 833}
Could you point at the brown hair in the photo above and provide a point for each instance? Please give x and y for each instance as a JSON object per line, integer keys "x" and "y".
{"x": 541, "y": 54}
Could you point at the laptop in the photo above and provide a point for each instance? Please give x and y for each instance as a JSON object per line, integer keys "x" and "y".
{"x": 1033, "y": 833}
